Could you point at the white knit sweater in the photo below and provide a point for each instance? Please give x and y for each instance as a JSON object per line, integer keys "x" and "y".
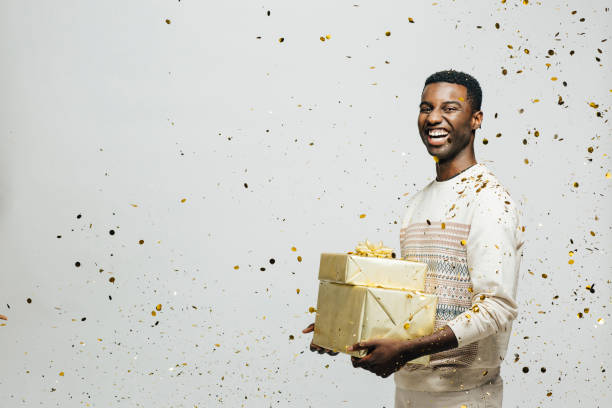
{"x": 467, "y": 229}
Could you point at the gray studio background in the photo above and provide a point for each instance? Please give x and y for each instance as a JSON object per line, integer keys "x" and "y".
{"x": 219, "y": 149}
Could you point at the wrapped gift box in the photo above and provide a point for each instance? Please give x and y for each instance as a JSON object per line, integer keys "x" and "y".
{"x": 372, "y": 271}
{"x": 347, "y": 314}
{"x": 361, "y": 298}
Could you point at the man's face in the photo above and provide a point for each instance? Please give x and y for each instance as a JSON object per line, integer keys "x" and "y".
{"x": 444, "y": 106}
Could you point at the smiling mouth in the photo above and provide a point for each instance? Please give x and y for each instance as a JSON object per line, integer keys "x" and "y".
{"x": 436, "y": 137}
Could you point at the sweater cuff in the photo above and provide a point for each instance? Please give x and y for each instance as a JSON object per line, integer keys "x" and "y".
{"x": 460, "y": 325}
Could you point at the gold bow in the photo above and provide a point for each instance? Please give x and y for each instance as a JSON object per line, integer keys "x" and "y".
{"x": 377, "y": 250}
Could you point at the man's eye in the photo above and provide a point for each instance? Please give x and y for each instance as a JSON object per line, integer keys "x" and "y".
{"x": 450, "y": 108}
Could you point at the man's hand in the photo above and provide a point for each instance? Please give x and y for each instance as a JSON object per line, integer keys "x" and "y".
{"x": 3, "y": 317}
{"x": 314, "y": 347}
{"x": 385, "y": 356}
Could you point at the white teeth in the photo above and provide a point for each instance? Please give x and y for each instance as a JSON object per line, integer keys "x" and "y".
{"x": 438, "y": 132}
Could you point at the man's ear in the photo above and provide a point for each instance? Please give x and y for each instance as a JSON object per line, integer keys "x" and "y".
{"x": 477, "y": 120}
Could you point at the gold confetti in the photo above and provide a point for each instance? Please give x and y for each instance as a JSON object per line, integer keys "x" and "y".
{"x": 544, "y": 275}
{"x": 388, "y": 33}
{"x": 526, "y": 161}
{"x": 134, "y": 205}
{"x": 471, "y": 290}
{"x": 482, "y": 297}
{"x": 61, "y": 374}
{"x": 485, "y": 141}
{"x": 548, "y": 394}
{"x": 475, "y": 308}
{"x": 525, "y": 1}
{"x": 586, "y": 310}
{"x": 463, "y": 242}
{"x": 526, "y": 51}
{"x": 168, "y": 21}
{"x": 297, "y": 291}
{"x": 141, "y": 242}
{"x": 608, "y": 175}
{"x": 410, "y": 19}
{"x": 436, "y": 159}
{"x": 536, "y": 101}
{"x": 461, "y": 98}
{"x": 328, "y": 36}
{"x": 111, "y": 279}
{"x": 217, "y": 345}
{"x": 158, "y": 307}
{"x": 575, "y": 184}
{"x": 485, "y": 372}
{"x": 443, "y": 226}
{"x": 600, "y": 320}
{"x": 293, "y": 249}
{"x": 153, "y": 313}
{"x": 467, "y": 315}
{"x": 236, "y": 267}
{"x": 281, "y": 39}
{"x": 580, "y": 315}
{"x": 406, "y": 326}
{"x": 553, "y": 78}
{"x": 593, "y": 105}
{"x": 362, "y": 216}
{"x": 593, "y": 233}
{"x": 322, "y": 38}
{"x": 299, "y": 258}
{"x": 183, "y": 200}
{"x": 571, "y": 253}
{"x": 311, "y": 309}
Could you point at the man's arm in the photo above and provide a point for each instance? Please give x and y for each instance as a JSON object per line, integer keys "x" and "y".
{"x": 440, "y": 340}
{"x": 494, "y": 248}
{"x": 386, "y": 356}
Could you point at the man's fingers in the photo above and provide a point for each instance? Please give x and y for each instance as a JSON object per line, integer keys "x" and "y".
{"x": 3, "y": 317}
{"x": 362, "y": 362}
{"x": 309, "y": 328}
{"x": 362, "y": 345}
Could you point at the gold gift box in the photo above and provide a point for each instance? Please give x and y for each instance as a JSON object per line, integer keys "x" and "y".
{"x": 372, "y": 271}
{"x": 366, "y": 297}
{"x": 347, "y": 314}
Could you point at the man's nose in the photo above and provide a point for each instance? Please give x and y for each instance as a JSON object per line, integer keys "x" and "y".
{"x": 434, "y": 117}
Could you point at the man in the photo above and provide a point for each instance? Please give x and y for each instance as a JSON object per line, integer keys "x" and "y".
{"x": 465, "y": 226}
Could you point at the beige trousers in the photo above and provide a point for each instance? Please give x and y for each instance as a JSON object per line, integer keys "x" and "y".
{"x": 488, "y": 395}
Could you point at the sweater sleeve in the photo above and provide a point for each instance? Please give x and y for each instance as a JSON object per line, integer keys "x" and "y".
{"x": 494, "y": 250}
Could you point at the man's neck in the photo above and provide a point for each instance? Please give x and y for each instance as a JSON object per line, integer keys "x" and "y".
{"x": 447, "y": 170}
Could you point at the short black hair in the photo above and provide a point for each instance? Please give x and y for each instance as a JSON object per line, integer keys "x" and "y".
{"x": 474, "y": 93}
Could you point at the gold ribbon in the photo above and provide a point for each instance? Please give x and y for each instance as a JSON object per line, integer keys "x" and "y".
{"x": 376, "y": 250}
